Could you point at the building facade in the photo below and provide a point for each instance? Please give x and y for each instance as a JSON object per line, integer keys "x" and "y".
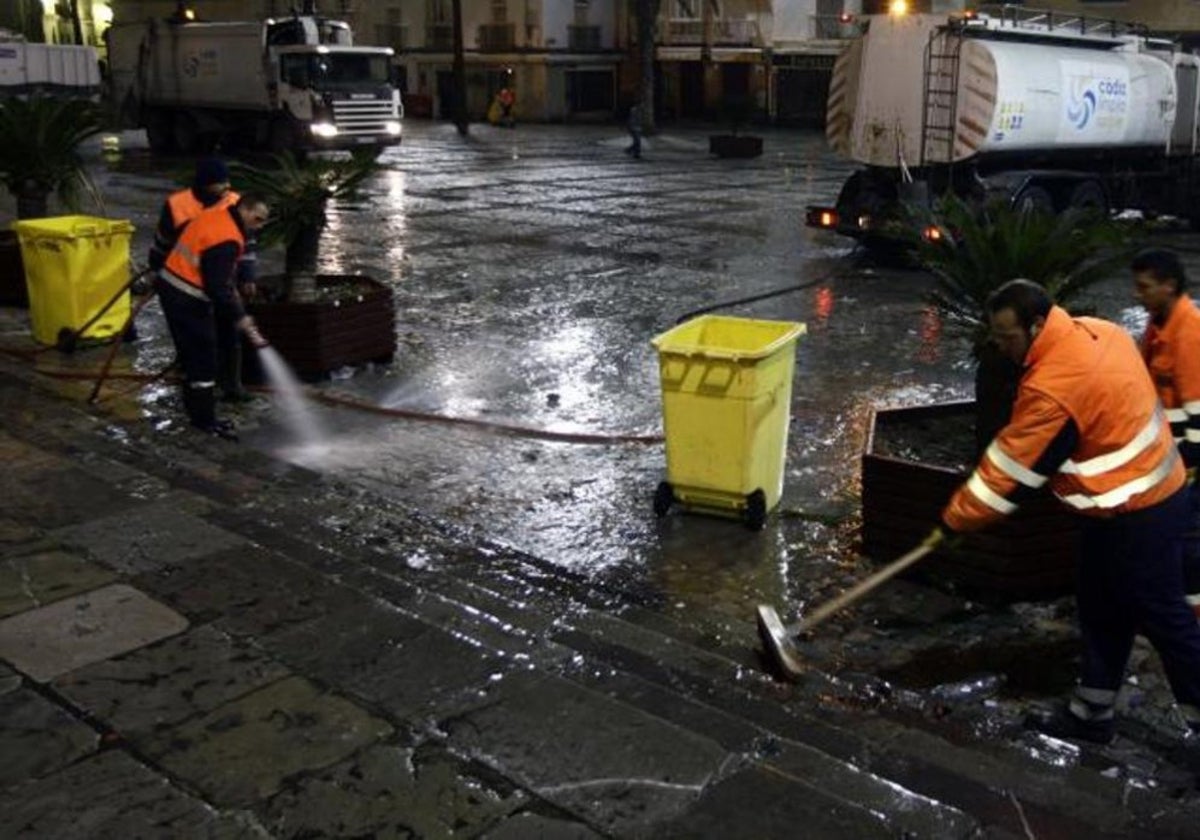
{"x": 576, "y": 60}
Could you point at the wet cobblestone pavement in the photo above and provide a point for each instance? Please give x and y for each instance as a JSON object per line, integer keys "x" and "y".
{"x": 433, "y": 632}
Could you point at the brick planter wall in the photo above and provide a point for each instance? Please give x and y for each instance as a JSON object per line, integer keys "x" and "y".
{"x": 1030, "y": 555}
{"x": 348, "y": 327}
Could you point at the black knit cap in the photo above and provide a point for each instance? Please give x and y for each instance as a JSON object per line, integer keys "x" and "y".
{"x": 211, "y": 171}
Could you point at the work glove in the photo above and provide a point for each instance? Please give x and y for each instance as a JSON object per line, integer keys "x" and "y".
{"x": 250, "y": 330}
{"x": 1191, "y": 476}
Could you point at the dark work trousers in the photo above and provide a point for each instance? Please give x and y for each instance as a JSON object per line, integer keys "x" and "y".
{"x": 194, "y": 330}
{"x": 1191, "y": 549}
{"x": 1131, "y": 581}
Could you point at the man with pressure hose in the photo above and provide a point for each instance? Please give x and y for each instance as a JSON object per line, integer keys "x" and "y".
{"x": 196, "y": 289}
{"x": 210, "y": 188}
{"x": 1088, "y": 423}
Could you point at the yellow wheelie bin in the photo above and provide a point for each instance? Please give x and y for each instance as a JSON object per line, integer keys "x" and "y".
{"x": 75, "y": 267}
{"x": 726, "y": 398}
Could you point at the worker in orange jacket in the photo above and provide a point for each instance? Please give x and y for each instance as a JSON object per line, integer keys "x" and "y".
{"x": 1171, "y": 348}
{"x": 196, "y": 289}
{"x": 1087, "y": 421}
{"x": 210, "y": 188}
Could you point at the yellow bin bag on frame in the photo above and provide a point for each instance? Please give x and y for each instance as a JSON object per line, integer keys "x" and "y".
{"x": 74, "y": 265}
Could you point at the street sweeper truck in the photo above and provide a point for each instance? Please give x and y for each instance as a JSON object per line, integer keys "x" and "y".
{"x": 295, "y": 83}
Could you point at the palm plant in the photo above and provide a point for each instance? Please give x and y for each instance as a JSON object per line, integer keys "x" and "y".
{"x": 978, "y": 249}
{"x": 39, "y": 151}
{"x": 299, "y": 191}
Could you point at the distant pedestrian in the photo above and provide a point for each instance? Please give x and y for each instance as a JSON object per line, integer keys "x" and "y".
{"x": 508, "y": 101}
{"x": 636, "y": 117}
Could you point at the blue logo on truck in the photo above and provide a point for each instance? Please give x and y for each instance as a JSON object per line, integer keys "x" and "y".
{"x": 1080, "y": 110}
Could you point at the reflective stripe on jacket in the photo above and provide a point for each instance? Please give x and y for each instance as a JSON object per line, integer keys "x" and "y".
{"x": 185, "y": 206}
{"x": 212, "y": 227}
{"x": 1087, "y": 420}
{"x": 1172, "y": 353}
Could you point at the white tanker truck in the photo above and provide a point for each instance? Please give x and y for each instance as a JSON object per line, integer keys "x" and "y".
{"x": 1040, "y": 109}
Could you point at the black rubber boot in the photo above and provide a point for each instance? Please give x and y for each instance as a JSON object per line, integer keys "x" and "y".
{"x": 1062, "y": 723}
{"x": 201, "y": 405}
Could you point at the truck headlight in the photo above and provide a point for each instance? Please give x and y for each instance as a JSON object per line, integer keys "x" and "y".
{"x": 392, "y": 127}
{"x": 324, "y": 129}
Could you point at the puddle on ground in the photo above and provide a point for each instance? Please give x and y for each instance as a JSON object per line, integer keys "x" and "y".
{"x": 1036, "y": 667}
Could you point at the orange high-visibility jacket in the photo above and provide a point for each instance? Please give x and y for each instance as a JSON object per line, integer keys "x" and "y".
{"x": 212, "y": 227}
{"x": 1172, "y": 353}
{"x": 185, "y": 206}
{"x": 1087, "y": 420}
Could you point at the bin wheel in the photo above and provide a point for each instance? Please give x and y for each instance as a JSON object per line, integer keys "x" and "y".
{"x": 66, "y": 340}
{"x": 664, "y": 497}
{"x": 755, "y": 515}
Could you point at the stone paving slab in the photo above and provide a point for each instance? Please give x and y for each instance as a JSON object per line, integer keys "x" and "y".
{"x": 37, "y": 579}
{"x": 37, "y": 737}
{"x": 149, "y": 538}
{"x": 68, "y": 634}
{"x": 526, "y": 826}
{"x": 243, "y": 751}
{"x": 12, "y": 531}
{"x": 394, "y": 660}
{"x": 57, "y": 495}
{"x": 249, "y": 590}
{"x": 187, "y": 675}
{"x": 390, "y": 791}
{"x": 10, "y": 680}
{"x": 113, "y": 797}
{"x": 624, "y": 770}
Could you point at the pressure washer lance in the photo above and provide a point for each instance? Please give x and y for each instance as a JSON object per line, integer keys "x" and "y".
{"x": 779, "y": 639}
{"x": 254, "y": 335}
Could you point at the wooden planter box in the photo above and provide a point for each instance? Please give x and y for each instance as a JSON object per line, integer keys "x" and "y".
{"x": 353, "y": 322}
{"x": 12, "y": 271}
{"x": 735, "y": 145}
{"x": 1032, "y": 554}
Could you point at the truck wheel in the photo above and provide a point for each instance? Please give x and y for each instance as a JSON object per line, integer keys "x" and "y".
{"x": 186, "y": 133}
{"x": 159, "y": 133}
{"x": 1034, "y": 199}
{"x": 1089, "y": 196}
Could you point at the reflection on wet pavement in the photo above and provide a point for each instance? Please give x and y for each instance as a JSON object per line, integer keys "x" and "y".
{"x": 530, "y": 271}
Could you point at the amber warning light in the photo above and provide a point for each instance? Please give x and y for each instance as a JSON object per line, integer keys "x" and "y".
{"x": 821, "y": 217}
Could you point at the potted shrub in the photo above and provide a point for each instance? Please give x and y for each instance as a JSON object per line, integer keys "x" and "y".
{"x": 916, "y": 457}
{"x": 39, "y": 156}
{"x": 738, "y": 111}
{"x": 317, "y": 322}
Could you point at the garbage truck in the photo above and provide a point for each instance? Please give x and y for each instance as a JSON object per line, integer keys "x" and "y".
{"x": 1040, "y": 109}
{"x": 47, "y": 69}
{"x": 297, "y": 83}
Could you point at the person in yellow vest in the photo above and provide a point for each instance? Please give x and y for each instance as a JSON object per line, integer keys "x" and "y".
{"x": 1171, "y": 348}
{"x": 1087, "y": 423}
{"x": 196, "y": 289}
{"x": 210, "y": 188}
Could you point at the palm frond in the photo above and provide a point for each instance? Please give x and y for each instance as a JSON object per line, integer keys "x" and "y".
{"x": 983, "y": 248}
{"x": 39, "y": 146}
{"x": 299, "y": 190}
